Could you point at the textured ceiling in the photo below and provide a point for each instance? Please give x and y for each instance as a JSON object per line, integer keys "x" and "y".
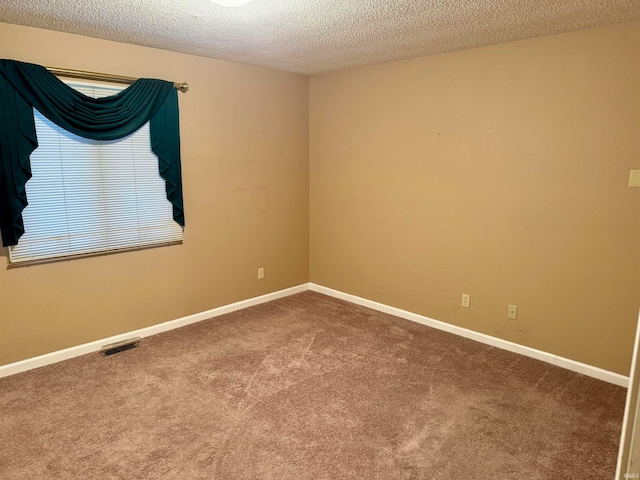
{"x": 316, "y": 36}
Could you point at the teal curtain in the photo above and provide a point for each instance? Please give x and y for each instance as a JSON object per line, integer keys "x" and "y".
{"x": 24, "y": 86}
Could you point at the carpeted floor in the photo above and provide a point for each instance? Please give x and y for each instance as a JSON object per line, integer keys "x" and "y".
{"x": 307, "y": 387}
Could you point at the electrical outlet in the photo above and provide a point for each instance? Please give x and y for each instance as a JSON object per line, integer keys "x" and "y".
{"x": 634, "y": 178}
{"x": 260, "y": 273}
{"x": 512, "y": 312}
{"x": 466, "y": 299}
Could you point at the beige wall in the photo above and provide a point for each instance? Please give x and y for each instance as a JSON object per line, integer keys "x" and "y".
{"x": 245, "y": 165}
{"x": 500, "y": 172}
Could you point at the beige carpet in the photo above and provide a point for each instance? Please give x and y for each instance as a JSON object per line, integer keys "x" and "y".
{"x": 308, "y": 387}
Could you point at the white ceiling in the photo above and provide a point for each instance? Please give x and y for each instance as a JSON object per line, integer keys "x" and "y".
{"x": 316, "y": 36}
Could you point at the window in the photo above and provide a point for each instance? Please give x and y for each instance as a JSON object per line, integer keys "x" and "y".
{"x": 88, "y": 197}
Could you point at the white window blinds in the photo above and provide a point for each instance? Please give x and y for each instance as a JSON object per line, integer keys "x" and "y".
{"x": 87, "y": 196}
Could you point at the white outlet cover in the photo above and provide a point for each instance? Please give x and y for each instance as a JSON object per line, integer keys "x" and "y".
{"x": 466, "y": 300}
{"x": 634, "y": 178}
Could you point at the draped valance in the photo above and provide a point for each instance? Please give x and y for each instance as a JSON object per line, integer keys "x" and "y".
{"x": 24, "y": 86}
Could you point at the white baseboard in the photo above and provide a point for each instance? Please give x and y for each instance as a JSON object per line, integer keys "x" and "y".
{"x": 67, "y": 353}
{"x": 566, "y": 363}
{"x": 60, "y": 355}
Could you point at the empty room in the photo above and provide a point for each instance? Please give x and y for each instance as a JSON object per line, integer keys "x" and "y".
{"x": 279, "y": 239}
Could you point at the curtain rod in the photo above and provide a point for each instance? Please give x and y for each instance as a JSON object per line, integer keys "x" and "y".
{"x": 107, "y": 77}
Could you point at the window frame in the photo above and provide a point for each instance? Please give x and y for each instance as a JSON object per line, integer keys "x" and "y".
{"x": 108, "y": 250}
